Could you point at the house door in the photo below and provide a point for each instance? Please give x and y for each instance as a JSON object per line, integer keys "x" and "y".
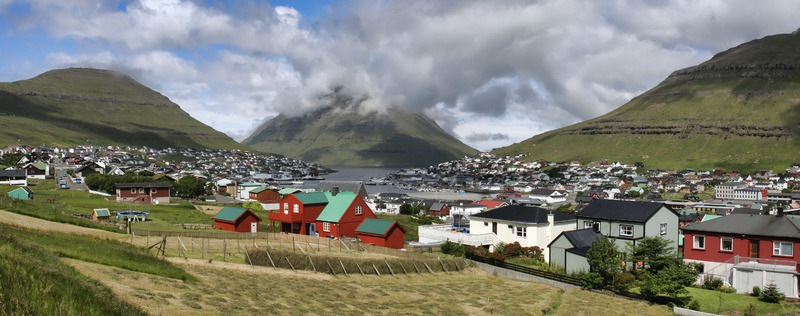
{"x": 753, "y": 248}
{"x": 494, "y": 228}
{"x": 253, "y": 227}
{"x": 312, "y": 229}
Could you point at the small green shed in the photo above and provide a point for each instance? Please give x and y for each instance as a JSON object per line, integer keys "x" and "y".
{"x": 23, "y": 193}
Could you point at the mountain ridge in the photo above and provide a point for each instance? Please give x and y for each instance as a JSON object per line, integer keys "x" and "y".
{"x": 76, "y": 106}
{"x": 740, "y": 109}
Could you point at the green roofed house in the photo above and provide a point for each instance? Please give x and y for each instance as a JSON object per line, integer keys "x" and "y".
{"x": 236, "y": 219}
{"x": 381, "y": 232}
{"x": 342, "y": 215}
{"x": 101, "y": 214}
{"x": 22, "y": 193}
{"x": 297, "y": 213}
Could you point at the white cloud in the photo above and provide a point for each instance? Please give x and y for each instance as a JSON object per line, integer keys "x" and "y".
{"x": 469, "y": 64}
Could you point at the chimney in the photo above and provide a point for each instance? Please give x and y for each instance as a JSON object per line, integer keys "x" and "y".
{"x": 551, "y": 222}
{"x": 334, "y": 190}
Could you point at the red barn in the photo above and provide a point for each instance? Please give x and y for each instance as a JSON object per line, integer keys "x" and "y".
{"x": 264, "y": 195}
{"x": 298, "y": 212}
{"x": 148, "y": 193}
{"x": 342, "y": 215}
{"x": 381, "y": 232}
{"x": 237, "y": 219}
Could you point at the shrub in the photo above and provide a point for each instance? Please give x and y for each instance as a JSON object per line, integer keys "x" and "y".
{"x": 694, "y": 305}
{"x": 712, "y": 284}
{"x": 771, "y": 294}
{"x": 751, "y": 310}
{"x": 452, "y": 248}
{"x": 623, "y": 281}
{"x": 591, "y": 280}
{"x": 727, "y": 289}
{"x": 756, "y": 291}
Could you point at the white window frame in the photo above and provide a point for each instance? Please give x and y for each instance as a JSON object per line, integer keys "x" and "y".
{"x": 663, "y": 228}
{"x": 133, "y": 190}
{"x": 722, "y": 244}
{"x": 296, "y": 208}
{"x": 587, "y": 224}
{"x": 285, "y": 208}
{"x": 622, "y": 228}
{"x": 522, "y": 231}
{"x": 486, "y": 224}
{"x": 326, "y": 227}
{"x": 153, "y": 191}
{"x": 695, "y": 242}
{"x": 358, "y": 209}
{"x": 777, "y": 247}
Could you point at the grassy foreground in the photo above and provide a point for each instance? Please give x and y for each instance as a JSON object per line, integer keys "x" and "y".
{"x": 33, "y": 281}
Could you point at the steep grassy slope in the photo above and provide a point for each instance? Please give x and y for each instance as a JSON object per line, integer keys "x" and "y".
{"x": 340, "y": 136}
{"x": 738, "y": 110}
{"x": 78, "y": 106}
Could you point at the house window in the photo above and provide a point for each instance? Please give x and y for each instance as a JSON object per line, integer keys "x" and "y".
{"x": 700, "y": 242}
{"x": 326, "y": 227}
{"x": 522, "y": 231}
{"x": 663, "y": 228}
{"x": 511, "y": 227}
{"x": 154, "y": 191}
{"x": 296, "y": 208}
{"x": 587, "y": 224}
{"x": 780, "y": 248}
{"x": 626, "y": 230}
{"x": 358, "y": 209}
{"x": 485, "y": 223}
{"x": 133, "y": 191}
{"x": 285, "y": 208}
{"x": 141, "y": 190}
{"x": 726, "y": 244}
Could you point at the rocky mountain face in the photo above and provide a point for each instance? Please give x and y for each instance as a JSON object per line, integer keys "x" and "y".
{"x": 740, "y": 109}
{"x": 342, "y": 134}
{"x": 91, "y": 106}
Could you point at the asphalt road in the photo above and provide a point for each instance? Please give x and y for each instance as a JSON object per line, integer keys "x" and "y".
{"x": 61, "y": 176}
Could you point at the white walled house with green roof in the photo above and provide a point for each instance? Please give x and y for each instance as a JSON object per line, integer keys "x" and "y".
{"x": 342, "y": 215}
{"x": 22, "y": 193}
{"x": 37, "y": 170}
{"x": 629, "y": 221}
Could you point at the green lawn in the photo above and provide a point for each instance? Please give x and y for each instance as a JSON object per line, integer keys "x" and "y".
{"x": 718, "y": 302}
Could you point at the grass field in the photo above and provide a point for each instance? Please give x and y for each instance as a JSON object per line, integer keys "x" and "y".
{"x": 717, "y": 302}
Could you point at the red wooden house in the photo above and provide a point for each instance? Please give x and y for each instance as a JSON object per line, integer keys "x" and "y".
{"x": 237, "y": 219}
{"x": 381, "y": 232}
{"x": 264, "y": 195}
{"x": 144, "y": 193}
{"x": 439, "y": 209}
{"x": 342, "y": 215}
{"x": 298, "y": 212}
{"x": 735, "y": 246}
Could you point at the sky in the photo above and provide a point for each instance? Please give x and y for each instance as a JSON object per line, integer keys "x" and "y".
{"x": 491, "y": 73}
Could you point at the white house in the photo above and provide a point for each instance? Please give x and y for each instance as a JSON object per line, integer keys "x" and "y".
{"x": 548, "y": 196}
{"x": 530, "y": 226}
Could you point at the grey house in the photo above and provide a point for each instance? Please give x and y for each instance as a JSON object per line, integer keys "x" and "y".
{"x": 622, "y": 221}
{"x": 568, "y": 250}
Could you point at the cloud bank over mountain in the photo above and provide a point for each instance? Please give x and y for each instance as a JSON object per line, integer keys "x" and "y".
{"x": 479, "y": 68}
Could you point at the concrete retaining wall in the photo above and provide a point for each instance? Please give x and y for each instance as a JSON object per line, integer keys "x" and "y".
{"x": 689, "y": 312}
{"x": 514, "y": 275}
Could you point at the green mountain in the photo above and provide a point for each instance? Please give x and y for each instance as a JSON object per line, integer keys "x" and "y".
{"x": 78, "y": 106}
{"x": 738, "y": 110}
{"x": 339, "y": 135}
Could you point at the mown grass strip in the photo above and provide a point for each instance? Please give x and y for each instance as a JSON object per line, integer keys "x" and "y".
{"x": 34, "y": 282}
{"x": 98, "y": 250}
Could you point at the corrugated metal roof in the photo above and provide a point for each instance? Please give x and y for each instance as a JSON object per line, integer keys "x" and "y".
{"x": 337, "y": 205}
{"x": 629, "y": 211}
{"x": 102, "y": 212}
{"x": 230, "y": 214}
{"x": 524, "y": 214}
{"x": 376, "y": 226}
{"x": 142, "y": 185}
{"x": 311, "y": 197}
{"x": 748, "y": 224}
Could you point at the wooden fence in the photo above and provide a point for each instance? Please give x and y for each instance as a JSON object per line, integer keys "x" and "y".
{"x": 527, "y": 270}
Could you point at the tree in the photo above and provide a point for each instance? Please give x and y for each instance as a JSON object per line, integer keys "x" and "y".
{"x": 604, "y": 259}
{"x": 672, "y": 280}
{"x": 406, "y": 209}
{"x": 11, "y": 159}
{"x": 189, "y": 187}
{"x": 655, "y": 253}
{"x": 771, "y": 294}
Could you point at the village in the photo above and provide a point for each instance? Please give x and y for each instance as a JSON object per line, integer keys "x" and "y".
{"x": 740, "y": 228}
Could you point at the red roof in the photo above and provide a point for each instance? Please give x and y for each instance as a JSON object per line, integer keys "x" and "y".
{"x": 490, "y": 203}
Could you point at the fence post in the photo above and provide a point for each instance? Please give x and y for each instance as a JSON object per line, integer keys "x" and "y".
{"x": 248, "y": 256}
{"x": 270, "y": 258}
{"x": 390, "y": 268}
{"x": 456, "y": 262}
{"x": 290, "y": 264}
{"x": 404, "y": 268}
{"x": 376, "y": 269}
{"x": 429, "y": 267}
{"x": 443, "y": 266}
{"x": 331, "y": 267}
{"x": 415, "y": 268}
{"x": 224, "y": 249}
{"x": 312, "y": 263}
{"x": 343, "y": 269}
{"x": 359, "y": 269}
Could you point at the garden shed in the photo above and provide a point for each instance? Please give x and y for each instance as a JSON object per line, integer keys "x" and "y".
{"x": 101, "y": 214}
{"x": 381, "y": 232}
{"x": 23, "y": 193}
{"x": 237, "y": 219}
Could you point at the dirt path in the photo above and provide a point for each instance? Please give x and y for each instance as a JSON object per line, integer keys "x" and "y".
{"x": 41, "y": 224}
